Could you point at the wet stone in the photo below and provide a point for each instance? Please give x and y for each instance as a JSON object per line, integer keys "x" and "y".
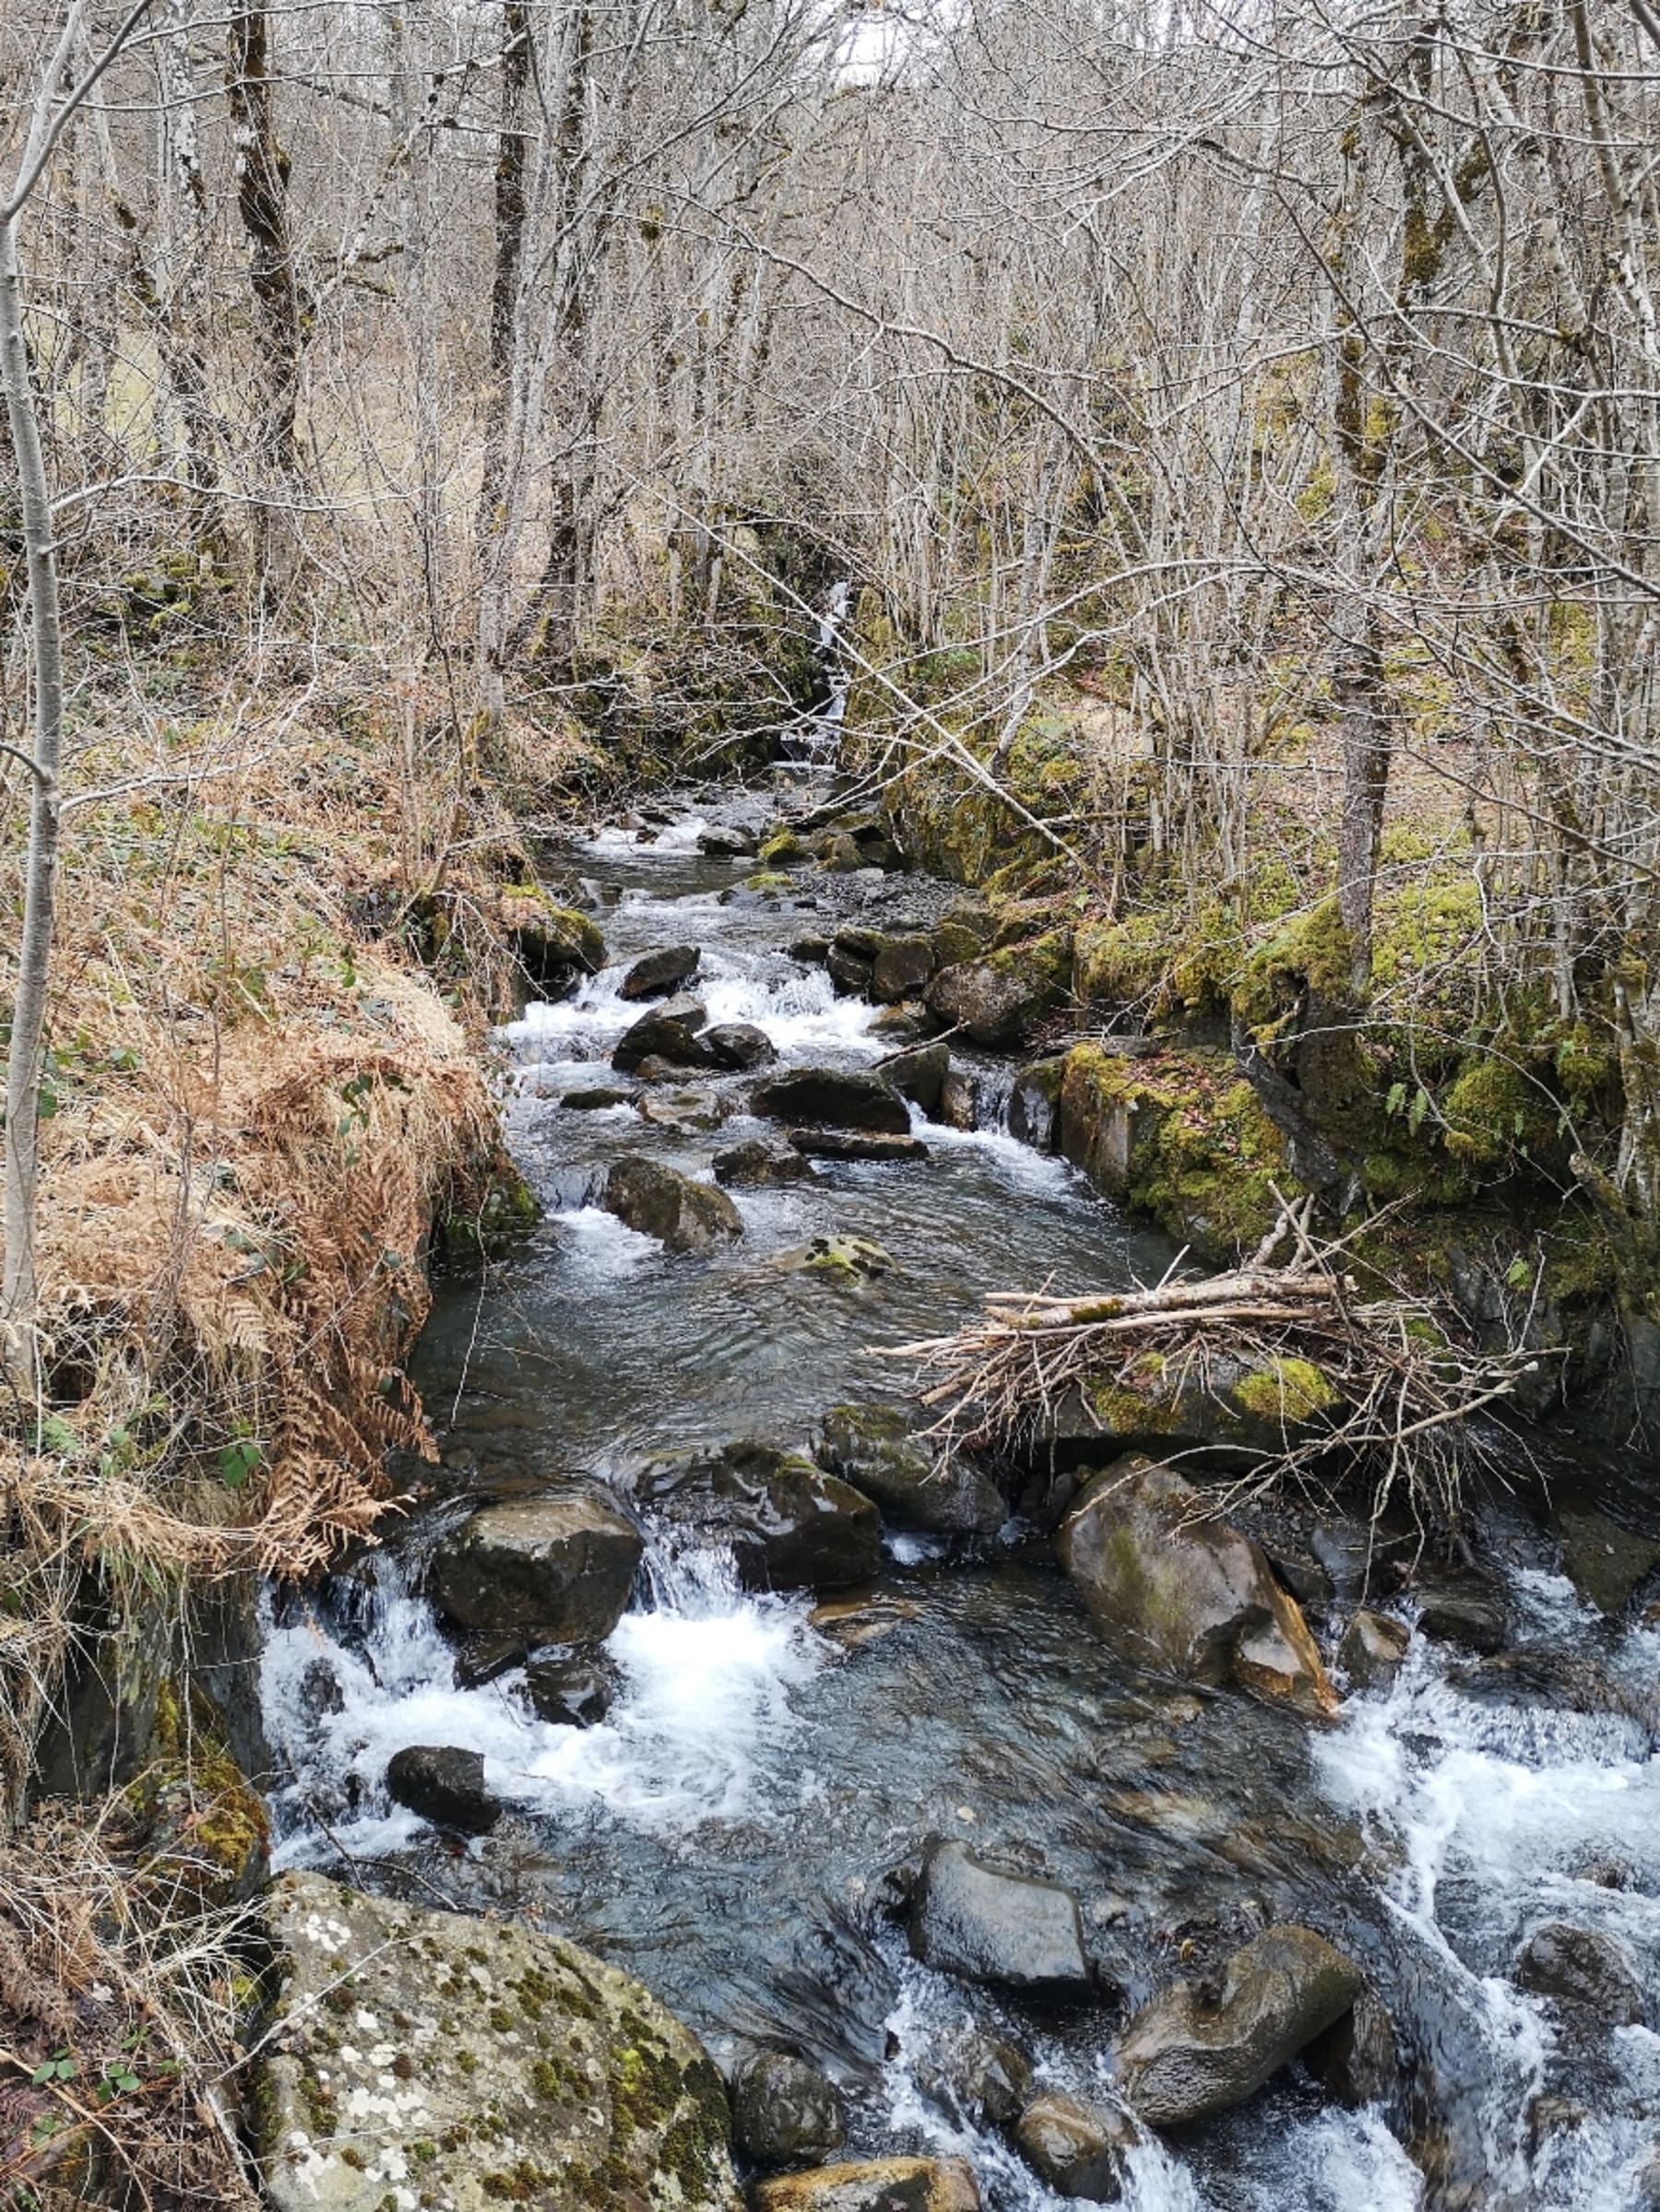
{"x": 571, "y": 1691}
{"x": 657, "y": 973}
{"x": 920, "y": 1076}
{"x": 658, "y": 1201}
{"x": 784, "y": 2111}
{"x": 740, "y": 1046}
{"x": 1373, "y": 1648}
{"x": 875, "y": 2185}
{"x": 841, "y": 1098}
{"x": 1471, "y": 1616}
{"x": 597, "y": 1098}
{"x": 1582, "y": 1967}
{"x": 445, "y": 1785}
{"x": 968, "y": 1919}
{"x": 756, "y": 1164}
{"x": 659, "y": 1036}
{"x": 547, "y": 1570}
{"x": 852, "y": 1145}
{"x": 1078, "y": 2148}
{"x": 872, "y": 1448}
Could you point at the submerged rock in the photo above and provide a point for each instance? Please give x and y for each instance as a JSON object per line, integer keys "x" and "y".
{"x": 1190, "y": 2052}
{"x": 539, "y": 1570}
{"x": 872, "y": 1448}
{"x": 878, "y": 2185}
{"x": 478, "y": 2062}
{"x": 790, "y": 1525}
{"x": 657, "y": 973}
{"x": 1471, "y": 1615}
{"x": 1583, "y": 1966}
{"x": 846, "y": 1098}
{"x": 683, "y": 1215}
{"x": 853, "y": 1144}
{"x": 1079, "y": 2149}
{"x": 967, "y": 1919}
{"x": 445, "y": 1785}
{"x": 755, "y": 1164}
{"x": 740, "y": 1045}
{"x": 783, "y": 2110}
{"x": 571, "y": 1691}
{"x": 853, "y": 1261}
{"x": 597, "y": 1098}
{"x": 659, "y": 1036}
{"x": 1191, "y": 1596}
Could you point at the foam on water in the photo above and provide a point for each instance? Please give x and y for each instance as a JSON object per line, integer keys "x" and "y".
{"x": 674, "y": 837}
{"x": 1494, "y": 1818}
{"x": 707, "y": 1675}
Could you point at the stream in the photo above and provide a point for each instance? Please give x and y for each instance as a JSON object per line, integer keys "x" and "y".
{"x": 729, "y": 1831}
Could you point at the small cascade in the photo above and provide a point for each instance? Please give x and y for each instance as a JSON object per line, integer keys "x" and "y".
{"x": 818, "y": 739}
{"x": 706, "y": 1671}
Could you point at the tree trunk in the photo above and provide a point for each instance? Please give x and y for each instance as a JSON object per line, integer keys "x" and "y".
{"x": 19, "y": 1287}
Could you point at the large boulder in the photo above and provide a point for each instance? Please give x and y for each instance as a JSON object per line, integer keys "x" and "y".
{"x": 878, "y": 2185}
{"x": 872, "y": 1448}
{"x": 968, "y": 1919}
{"x": 661, "y": 1036}
{"x": 784, "y": 2111}
{"x": 474, "y": 2063}
{"x": 541, "y": 1570}
{"x": 446, "y": 1785}
{"x": 659, "y": 1201}
{"x": 1190, "y": 1596}
{"x": 846, "y": 1098}
{"x": 657, "y": 973}
{"x": 1000, "y": 1001}
{"x": 902, "y": 967}
{"x": 1079, "y": 2149}
{"x": 1193, "y": 2052}
{"x": 790, "y": 1525}
{"x": 920, "y": 1076}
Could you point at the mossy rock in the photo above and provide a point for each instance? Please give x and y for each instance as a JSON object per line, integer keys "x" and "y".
{"x": 784, "y": 848}
{"x": 497, "y": 1213}
{"x": 418, "y": 2057}
{"x": 203, "y": 1825}
{"x": 769, "y": 883}
{"x": 549, "y": 941}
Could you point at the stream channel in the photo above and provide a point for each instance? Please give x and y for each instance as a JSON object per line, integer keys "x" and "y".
{"x": 725, "y": 1833}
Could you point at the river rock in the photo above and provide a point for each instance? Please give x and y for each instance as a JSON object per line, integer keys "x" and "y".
{"x": 597, "y": 1098}
{"x": 1190, "y": 2052}
{"x": 570, "y": 1690}
{"x": 790, "y": 1525}
{"x": 1190, "y": 1596}
{"x": 1373, "y": 1648}
{"x": 1079, "y": 2149}
{"x": 1553, "y": 1678}
{"x": 542, "y": 1570}
{"x": 473, "y": 2062}
{"x": 959, "y": 1100}
{"x": 685, "y": 1008}
{"x": 1470, "y": 1615}
{"x": 783, "y": 2110}
{"x": 657, "y": 973}
{"x": 969, "y": 1920}
{"x": 1583, "y": 1966}
{"x": 1238, "y": 1407}
{"x": 1357, "y": 2057}
{"x": 1034, "y": 1104}
{"x": 920, "y": 1076}
{"x": 755, "y": 1164}
{"x": 845, "y": 1098}
{"x": 1605, "y": 1562}
{"x": 685, "y": 1111}
{"x": 659, "y": 1036}
{"x": 901, "y": 969}
{"x": 872, "y": 1448}
{"x": 811, "y": 952}
{"x": 445, "y": 1785}
{"x": 878, "y": 2185}
{"x": 740, "y": 1045}
{"x": 729, "y": 842}
{"x": 851, "y": 1261}
{"x": 685, "y": 1216}
{"x": 854, "y": 1144}
{"x": 999, "y": 1000}
{"x": 988, "y": 2079}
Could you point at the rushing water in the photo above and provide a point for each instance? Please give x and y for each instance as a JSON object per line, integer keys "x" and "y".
{"x": 726, "y": 1832}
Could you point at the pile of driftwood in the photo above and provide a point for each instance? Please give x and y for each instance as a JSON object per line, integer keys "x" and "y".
{"x": 1383, "y": 1387}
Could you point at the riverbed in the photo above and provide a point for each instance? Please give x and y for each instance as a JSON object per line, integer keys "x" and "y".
{"x": 730, "y": 1831}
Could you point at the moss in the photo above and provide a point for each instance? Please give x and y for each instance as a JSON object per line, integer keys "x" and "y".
{"x": 1288, "y": 1391}
{"x": 782, "y": 850}
{"x": 548, "y": 937}
{"x": 202, "y": 1818}
{"x": 498, "y": 1211}
{"x": 769, "y": 883}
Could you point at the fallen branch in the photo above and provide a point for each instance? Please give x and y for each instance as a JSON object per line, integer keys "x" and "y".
{"x": 1397, "y": 1391}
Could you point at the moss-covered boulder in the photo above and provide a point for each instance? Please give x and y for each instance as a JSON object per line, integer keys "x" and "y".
{"x": 551, "y": 941}
{"x": 1173, "y": 1590}
{"x": 429, "y": 2058}
{"x": 1000, "y": 1001}
{"x": 1179, "y": 1135}
{"x": 1229, "y": 1410}
{"x": 659, "y": 1201}
{"x": 873, "y": 1447}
